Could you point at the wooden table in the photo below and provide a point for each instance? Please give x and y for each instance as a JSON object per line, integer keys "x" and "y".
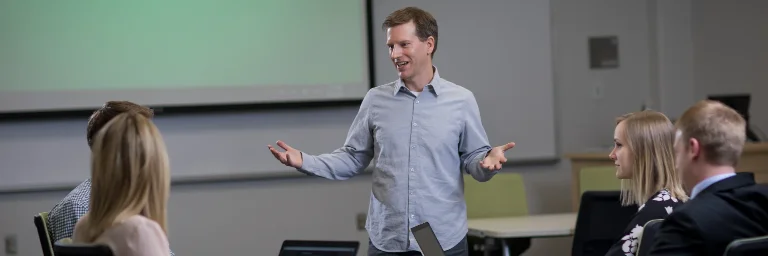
{"x": 530, "y": 226}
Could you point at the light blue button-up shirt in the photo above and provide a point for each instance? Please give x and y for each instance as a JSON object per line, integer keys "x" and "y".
{"x": 708, "y": 182}
{"x": 422, "y": 145}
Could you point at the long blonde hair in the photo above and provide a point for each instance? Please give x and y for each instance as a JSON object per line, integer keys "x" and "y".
{"x": 650, "y": 137}
{"x": 130, "y": 175}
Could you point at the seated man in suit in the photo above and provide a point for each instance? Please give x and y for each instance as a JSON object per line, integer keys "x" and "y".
{"x": 724, "y": 205}
{"x": 64, "y": 215}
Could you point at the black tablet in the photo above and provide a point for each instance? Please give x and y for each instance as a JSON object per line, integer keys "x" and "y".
{"x": 427, "y": 240}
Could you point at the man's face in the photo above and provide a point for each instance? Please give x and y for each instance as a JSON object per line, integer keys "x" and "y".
{"x": 409, "y": 54}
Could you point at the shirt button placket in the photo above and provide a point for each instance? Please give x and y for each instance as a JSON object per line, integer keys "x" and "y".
{"x": 412, "y": 174}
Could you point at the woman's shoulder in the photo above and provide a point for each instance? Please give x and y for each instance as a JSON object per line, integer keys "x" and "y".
{"x": 80, "y": 222}
{"x": 664, "y": 196}
{"x": 134, "y": 226}
{"x": 139, "y": 223}
{"x": 662, "y": 199}
{"x": 78, "y": 231}
{"x": 138, "y": 230}
{"x": 137, "y": 219}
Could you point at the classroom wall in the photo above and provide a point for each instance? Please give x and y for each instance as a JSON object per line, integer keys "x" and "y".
{"x": 673, "y": 70}
{"x": 232, "y": 218}
{"x": 731, "y": 52}
{"x": 708, "y": 47}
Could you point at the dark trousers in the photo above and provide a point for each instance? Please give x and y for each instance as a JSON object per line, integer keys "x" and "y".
{"x": 458, "y": 250}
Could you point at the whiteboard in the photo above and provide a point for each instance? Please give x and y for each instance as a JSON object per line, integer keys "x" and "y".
{"x": 71, "y": 55}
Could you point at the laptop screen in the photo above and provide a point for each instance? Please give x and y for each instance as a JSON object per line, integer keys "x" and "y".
{"x": 319, "y": 248}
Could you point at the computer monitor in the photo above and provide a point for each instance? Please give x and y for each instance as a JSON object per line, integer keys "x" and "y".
{"x": 740, "y": 103}
{"x": 427, "y": 240}
{"x": 319, "y": 248}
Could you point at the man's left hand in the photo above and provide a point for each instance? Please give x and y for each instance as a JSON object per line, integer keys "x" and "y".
{"x": 496, "y": 157}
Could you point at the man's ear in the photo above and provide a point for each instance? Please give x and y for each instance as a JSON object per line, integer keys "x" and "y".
{"x": 694, "y": 148}
{"x": 430, "y": 45}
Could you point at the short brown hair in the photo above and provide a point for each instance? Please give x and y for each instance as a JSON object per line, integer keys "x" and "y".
{"x": 103, "y": 115}
{"x": 720, "y": 130}
{"x": 426, "y": 25}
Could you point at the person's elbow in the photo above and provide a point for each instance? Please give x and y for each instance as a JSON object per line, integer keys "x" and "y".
{"x": 347, "y": 167}
{"x": 345, "y": 175}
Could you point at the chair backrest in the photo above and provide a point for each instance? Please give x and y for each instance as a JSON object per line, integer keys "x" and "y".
{"x": 63, "y": 248}
{"x": 650, "y": 229}
{"x": 502, "y": 196}
{"x": 748, "y": 246}
{"x": 598, "y": 178}
{"x": 600, "y": 222}
{"x": 41, "y": 223}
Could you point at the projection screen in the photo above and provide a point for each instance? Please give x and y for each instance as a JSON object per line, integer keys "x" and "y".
{"x": 70, "y": 55}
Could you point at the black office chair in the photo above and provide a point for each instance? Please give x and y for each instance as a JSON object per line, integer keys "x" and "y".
{"x": 748, "y": 246}
{"x": 600, "y": 223}
{"x": 69, "y": 249}
{"x": 650, "y": 229}
{"x": 41, "y": 223}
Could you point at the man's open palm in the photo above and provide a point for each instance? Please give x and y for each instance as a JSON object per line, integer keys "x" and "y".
{"x": 291, "y": 157}
{"x": 496, "y": 157}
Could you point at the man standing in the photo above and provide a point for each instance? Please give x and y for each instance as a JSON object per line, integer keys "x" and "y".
{"x": 724, "y": 205}
{"x": 424, "y": 132}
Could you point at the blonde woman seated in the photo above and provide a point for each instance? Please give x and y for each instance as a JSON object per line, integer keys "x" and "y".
{"x": 644, "y": 156}
{"x": 130, "y": 187}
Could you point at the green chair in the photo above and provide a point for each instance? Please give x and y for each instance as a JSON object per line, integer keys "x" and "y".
{"x": 66, "y": 240}
{"x": 598, "y": 178}
{"x": 502, "y": 196}
{"x": 41, "y": 222}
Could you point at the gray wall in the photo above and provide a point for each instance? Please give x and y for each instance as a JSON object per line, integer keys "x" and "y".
{"x": 510, "y": 43}
{"x": 232, "y": 218}
{"x": 731, "y": 52}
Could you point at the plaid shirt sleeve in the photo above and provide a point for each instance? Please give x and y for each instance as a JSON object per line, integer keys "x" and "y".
{"x": 64, "y": 216}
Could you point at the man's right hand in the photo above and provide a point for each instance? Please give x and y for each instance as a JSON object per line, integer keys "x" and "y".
{"x": 291, "y": 157}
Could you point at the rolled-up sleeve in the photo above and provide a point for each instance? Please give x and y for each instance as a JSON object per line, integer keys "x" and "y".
{"x": 474, "y": 146}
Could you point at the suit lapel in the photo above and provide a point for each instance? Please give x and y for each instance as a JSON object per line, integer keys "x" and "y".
{"x": 741, "y": 179}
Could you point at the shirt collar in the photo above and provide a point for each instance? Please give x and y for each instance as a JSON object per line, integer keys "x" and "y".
{"x": 708, "y": 182}
{"x": 434, "y": 83}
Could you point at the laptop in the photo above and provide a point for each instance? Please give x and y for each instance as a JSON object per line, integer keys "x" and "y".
{"x": 319, "y": 248}
{"x": 427, "y": 241}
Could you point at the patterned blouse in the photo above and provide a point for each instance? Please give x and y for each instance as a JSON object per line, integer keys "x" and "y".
{"x": 658, "y": 207}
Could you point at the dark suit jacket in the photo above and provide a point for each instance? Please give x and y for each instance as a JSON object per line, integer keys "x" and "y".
{"x": 729, "y": 209}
